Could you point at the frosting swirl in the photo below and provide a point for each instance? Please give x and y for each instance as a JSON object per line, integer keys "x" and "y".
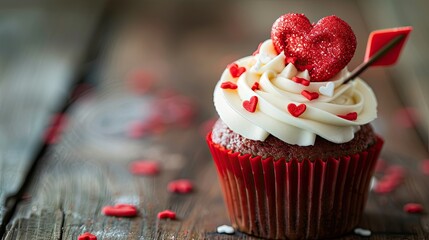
{"x": 278, "y": 86}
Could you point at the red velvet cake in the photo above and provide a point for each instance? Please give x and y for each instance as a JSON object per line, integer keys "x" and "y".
{"x": 293, "y": 146}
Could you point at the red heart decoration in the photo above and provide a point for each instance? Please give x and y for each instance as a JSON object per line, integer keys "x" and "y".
{"x": 255, "y": 86}
{"x": 324, "y": 48}
{"x": 235, "y": 70}
{"x": 144, "y": 167}
{"x": 310, "y": 95}
{"x": 120, "y": 210}
{"x": 228, "y": 85}
{"x": 296, "y": 111}
{"x": 302, "y": 81}
{"x": 167, "y": 214}
{"x": 87, "y": 236}
{"x": 250, "y": 105}
{"x": 349, "y": 116}
{"x": 180, "y": 186}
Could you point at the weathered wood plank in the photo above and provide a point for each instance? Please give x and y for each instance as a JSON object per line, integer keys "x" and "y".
{"x": 40, "y": 46}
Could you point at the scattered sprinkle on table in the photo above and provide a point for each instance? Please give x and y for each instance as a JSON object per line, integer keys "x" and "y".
{"x": 120, "y": 210}
{"x": 413, "y": 208}
{"x": 144, "y": 167}
{"x": 362, "y": 232}
{"x": 225, "y": 229}
{"x": 87, "y": 236}
{"x": 180, "y": 186}
{"x": 167, "y": 214}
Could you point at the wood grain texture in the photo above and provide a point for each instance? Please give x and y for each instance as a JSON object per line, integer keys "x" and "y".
{"x": 41, "y": 43}
{"x": 88, "y": 169}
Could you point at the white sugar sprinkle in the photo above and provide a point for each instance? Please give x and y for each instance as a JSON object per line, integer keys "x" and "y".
{"x": 225, "y": 229}
{"x": 362, "y": 232}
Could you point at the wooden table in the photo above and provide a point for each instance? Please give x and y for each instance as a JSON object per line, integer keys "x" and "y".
{"x": 183, "y": 47}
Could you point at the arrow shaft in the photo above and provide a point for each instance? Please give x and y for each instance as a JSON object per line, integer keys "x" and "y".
{"x": 380, "y": 53}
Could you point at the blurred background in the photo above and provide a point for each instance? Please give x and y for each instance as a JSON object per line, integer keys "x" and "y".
{"x": 153, "y": 65}
{"x": 181, "y": 45}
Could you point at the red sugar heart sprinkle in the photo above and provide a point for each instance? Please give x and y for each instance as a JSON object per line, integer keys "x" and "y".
{"x": 250, "y": 105}
{"x": 144, "y": 167}
{"x": 257, "y": 50}
{"x": 349, "y": 116}
{"x": 120, "y": 210}
{"x": 296, "y": 111}
{"x": 228, "y": 85}
{"x": 235, "y": 70}
{"x": 327, "y": 46}
{"x": 413, "y": 208}
{"x": 310, "y": 95}
{"x": 255, "y": 86}
{"x": 87, "y": 236}
{"x": 180, "y": 186}
{"x": 425, "y": 167}
{"x": 302, "y": 81}
{"x": 167, "y": 214}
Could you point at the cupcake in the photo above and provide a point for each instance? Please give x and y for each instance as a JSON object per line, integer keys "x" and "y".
{"x": 293, "y": 146}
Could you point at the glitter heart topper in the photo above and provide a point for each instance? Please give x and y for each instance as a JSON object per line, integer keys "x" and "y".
{"x": 324, "y": 48}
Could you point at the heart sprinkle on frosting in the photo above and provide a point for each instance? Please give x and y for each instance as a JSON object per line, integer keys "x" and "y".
{"x": 323, "y": 48}
{"x": 349, "y": 116}
{"x": 295, "y": 110}
{"x": 255, "y": 86}
{"x": 228, "y": 85}
{"x": 327, "y": 90}
{"x": 235, "y": 70}
{"x": 310, "y": 95}
{"x": 250, "y": 105}
{"x": 302, "y": 81}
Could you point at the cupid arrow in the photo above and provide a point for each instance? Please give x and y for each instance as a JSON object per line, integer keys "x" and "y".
{"x": 383, "y": 49}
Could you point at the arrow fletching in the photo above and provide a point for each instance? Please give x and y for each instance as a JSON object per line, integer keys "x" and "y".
{"x": 379, "y": 38}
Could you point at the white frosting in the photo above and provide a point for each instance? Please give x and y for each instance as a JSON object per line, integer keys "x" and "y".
{"x": 277, "y": 90}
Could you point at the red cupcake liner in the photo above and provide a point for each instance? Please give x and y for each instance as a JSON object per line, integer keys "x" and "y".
{"x": 291, "y": 199}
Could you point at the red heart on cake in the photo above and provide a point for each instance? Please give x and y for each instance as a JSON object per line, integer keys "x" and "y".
{"x": 250, "y": 105}
{"x": 295, "y": 110}
{"x": 309, "y": 95}
{"x": 327, "y": 46}
{"x": 120, "y": 210}
{"x": 349, "y": 116}
{"x": 228, "y": 85}
{"x": 235, "y": 70}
